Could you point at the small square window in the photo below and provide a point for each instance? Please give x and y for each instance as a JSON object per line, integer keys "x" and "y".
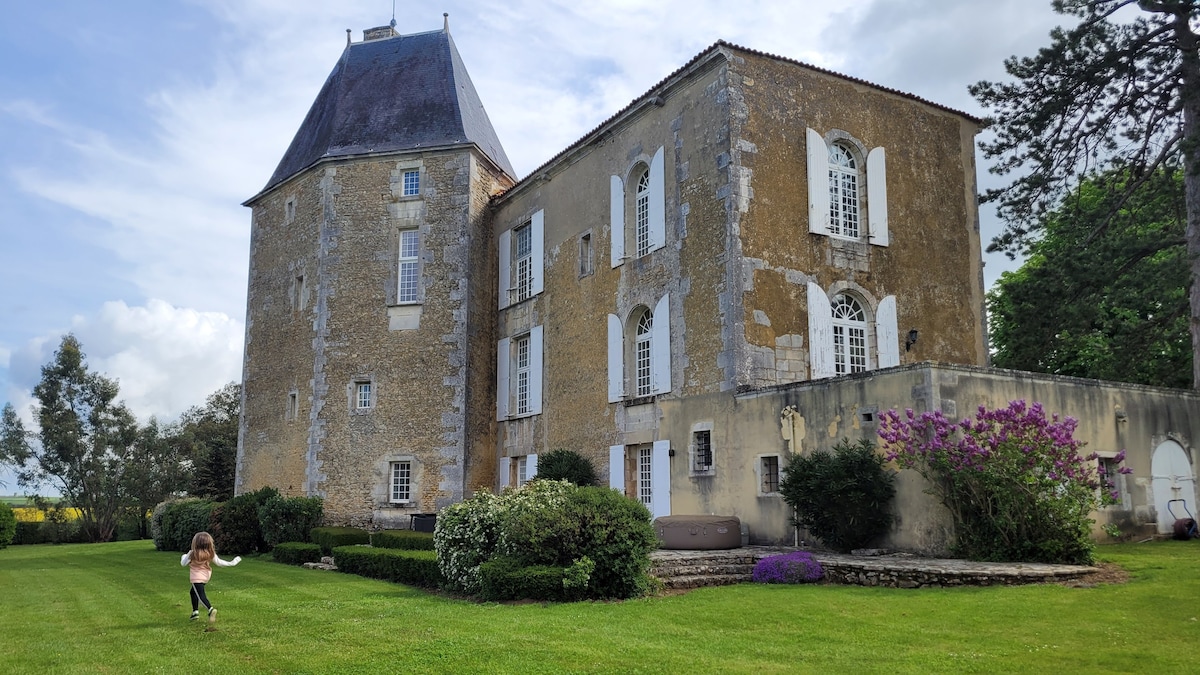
{"x": 362, "y": 395}
{"x": 412, "y": 183}
{"x": 769, "y": 472}
{"x": 400, "y": 491}
{"x": 702, "y": 444}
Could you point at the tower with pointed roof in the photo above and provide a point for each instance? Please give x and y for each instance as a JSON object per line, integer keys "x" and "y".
{"x": 369, "y": 270}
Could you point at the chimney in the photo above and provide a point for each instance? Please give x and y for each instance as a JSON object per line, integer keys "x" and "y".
{"x": 380, "y": 33}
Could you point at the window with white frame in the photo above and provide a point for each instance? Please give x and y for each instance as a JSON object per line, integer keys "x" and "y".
{"x": 521, "y": 373}
{"x": 644, "y": 484}
{"x": 362, "y": 394}
{"x": 400, "y": 484}
{"x": 642, "y": 354}
{"x": 522, "y": 262}
{"x": 585, "y": 255}
{"x": 408, "y": 273}
{"x": 847, "y": 188}
{"x": 702, "y": 450}
{"x": 768, "y": 474}
{"x": 849, "y": 335}
{"x": 412, "y": 183}
{"x": 642, "y": 214}
{"x": 522, "y": 470}
{"x": 843, "y": 192}
{"x": 639, "y": 352}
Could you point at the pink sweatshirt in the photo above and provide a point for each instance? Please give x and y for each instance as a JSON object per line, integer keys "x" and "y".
{"x": 201, "y": 572}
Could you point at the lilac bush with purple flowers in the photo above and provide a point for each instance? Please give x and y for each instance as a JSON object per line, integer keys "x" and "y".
{"x": 797, "y": 567}
{"x": 1012, "y": 478}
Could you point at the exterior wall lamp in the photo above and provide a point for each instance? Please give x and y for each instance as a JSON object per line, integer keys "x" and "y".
{"x": 912, "y": 339}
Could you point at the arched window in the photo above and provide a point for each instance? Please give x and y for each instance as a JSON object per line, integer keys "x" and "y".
{"x": 642, "y": 214}
{"x": 849, "y": 335}
{"x": 843, "y": 192}
{"x": 642, "y": 351}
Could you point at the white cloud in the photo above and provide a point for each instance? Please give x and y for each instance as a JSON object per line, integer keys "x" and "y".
{"x": 165, "y": 358}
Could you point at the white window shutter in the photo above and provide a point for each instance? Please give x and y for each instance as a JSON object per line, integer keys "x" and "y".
{"x": 505, "y": 472}
{"x": 616, "y": 359}
{"x": 505, "y": 262}
{"x": 502, "y": 355}
{"x": 886, "y": 335}
{"x": 818, "y": 183}
{"x": 877, "y": 217}
{"x": 658, "y": 202}
{"x": 616, "y": 467}
{"x": 537, "y": 242}
{"x": 660, "y": 347}
{"x": 530, "y": 467}
{"x": 820, "y": 333}
{"x": 660, "y": 479}
{"x": 535, "y": 370}
{"x": 616, "y": 212}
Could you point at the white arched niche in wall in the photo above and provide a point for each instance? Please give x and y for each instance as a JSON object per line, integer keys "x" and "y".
{"x": 1172, "y": 479}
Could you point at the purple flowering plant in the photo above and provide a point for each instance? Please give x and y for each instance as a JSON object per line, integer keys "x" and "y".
{"x": 797, "y": 567}
{"x": 1013, "y": 479}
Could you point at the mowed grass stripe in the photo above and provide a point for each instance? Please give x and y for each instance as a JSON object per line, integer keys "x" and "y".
{"x": 123, "y": 607}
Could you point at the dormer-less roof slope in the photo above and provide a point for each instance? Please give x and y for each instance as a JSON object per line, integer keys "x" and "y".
{"x": 406, "y": 92}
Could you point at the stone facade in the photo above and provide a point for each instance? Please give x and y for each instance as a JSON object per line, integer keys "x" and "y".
{"x": 751, "y": 260}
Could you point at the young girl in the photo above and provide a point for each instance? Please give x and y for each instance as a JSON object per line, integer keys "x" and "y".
{"x": 200, "y": 572}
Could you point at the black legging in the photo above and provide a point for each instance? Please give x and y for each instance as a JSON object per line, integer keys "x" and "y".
{"x": 198, "y": 597}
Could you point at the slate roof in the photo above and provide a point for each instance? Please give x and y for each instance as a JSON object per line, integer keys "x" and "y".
{"x": 400, "y": 93}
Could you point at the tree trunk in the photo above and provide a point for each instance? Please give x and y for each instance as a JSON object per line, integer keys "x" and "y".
{"x": 1189, "y": 96}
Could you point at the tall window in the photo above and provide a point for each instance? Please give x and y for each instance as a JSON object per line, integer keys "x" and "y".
{"x": 843, "y": 192}
{"x": 642, "y": 214}
{"x": 702, "y": 441}
{"x": 585, "y": 255}
{"x": 409, "y": 248}
{"x": 521, "y": 361}
{"x": 522, "y": 470}
{"x": 849, "y": 335}
{"x": 401, "y": 483}
{"x": 362, "y": 395}
{"x": 769, "y": 470}
{"x": 412, "y": 183}
{"x": 523, "y": 262}
{"x": 644, "y": 456}
{"x": 642, "y": 354}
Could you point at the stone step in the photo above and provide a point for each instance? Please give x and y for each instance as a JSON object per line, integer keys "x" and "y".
{"x": 699, "y": 580}
{"x": 680, "y": 570}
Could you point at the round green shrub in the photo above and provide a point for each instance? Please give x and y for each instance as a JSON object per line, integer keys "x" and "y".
{"x": 567, "y": 465}
{"x": 8, "y": 525}
{"x": 235, "y": 526}
{"x": 844, "y": 498}
{"x": 181, "y": 519}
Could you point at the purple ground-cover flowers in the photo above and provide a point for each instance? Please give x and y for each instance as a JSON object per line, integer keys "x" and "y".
{"x": 797, "y": 567}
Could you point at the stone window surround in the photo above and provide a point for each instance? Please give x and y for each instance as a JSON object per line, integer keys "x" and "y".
{"x": 693, "y": 470}
{"x": 759, "y": 477}
{"x": 352, "y": 394}
{"x": 382, "y": 491}
{"x": 402, "y": 167}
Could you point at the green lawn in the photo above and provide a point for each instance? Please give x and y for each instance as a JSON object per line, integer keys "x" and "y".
{"x": 123, "y": 607}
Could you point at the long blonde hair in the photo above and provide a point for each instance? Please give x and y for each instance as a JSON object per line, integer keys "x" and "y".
{"x": 202, "y": 547}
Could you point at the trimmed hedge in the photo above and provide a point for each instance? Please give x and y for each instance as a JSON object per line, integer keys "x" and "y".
{"x": 180, "y": 520}
{"x": 234, "y": 524}
{"x": 415, "y": 568}
{"x": 289, "y": 518}
{"x": 8, "y": 525}
{"x": 296, "y": 553}
{"x": 504, "y": 578}
{"x": 28, "y": 533}
{"x": 329, "y": 538}
{"x": 407, "y": 540}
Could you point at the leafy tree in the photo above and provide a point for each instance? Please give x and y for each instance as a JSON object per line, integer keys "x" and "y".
{"x": 156, "y": 469}
{"x": 209, "y": 435}
{"x": 84, "y": 440}
{"x": 1101, "y": 302}
{"x": 14, "y": 439}
{"x": 1113, "y": 100}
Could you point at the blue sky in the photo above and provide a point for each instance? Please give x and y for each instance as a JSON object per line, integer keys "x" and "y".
{"x": 132, "y": 130}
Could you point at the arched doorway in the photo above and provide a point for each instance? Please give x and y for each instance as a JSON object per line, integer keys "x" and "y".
{"x": 1172, "y": 477}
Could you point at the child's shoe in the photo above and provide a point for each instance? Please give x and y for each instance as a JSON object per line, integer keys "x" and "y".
{"x": 195, "y": 614}
{"x": 212, "y": 616}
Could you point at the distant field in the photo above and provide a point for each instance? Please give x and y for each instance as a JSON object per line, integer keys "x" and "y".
{"x": 21, "y": 500}
{"x": 123, "y": 608}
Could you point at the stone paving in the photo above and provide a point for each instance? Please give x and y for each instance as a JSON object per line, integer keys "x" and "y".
{"x": 690, "y": 569}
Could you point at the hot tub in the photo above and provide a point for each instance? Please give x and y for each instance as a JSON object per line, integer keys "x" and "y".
{"x": 698, "y": 533}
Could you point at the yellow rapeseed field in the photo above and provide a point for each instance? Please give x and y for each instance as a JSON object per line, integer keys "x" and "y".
{"x": 29, "y": 514}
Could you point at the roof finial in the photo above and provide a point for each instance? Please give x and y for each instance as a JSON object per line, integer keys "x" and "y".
{"x": 393, "y": 23}
{"x": 446, "y": 22}
{"x": 347, "y": 37}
